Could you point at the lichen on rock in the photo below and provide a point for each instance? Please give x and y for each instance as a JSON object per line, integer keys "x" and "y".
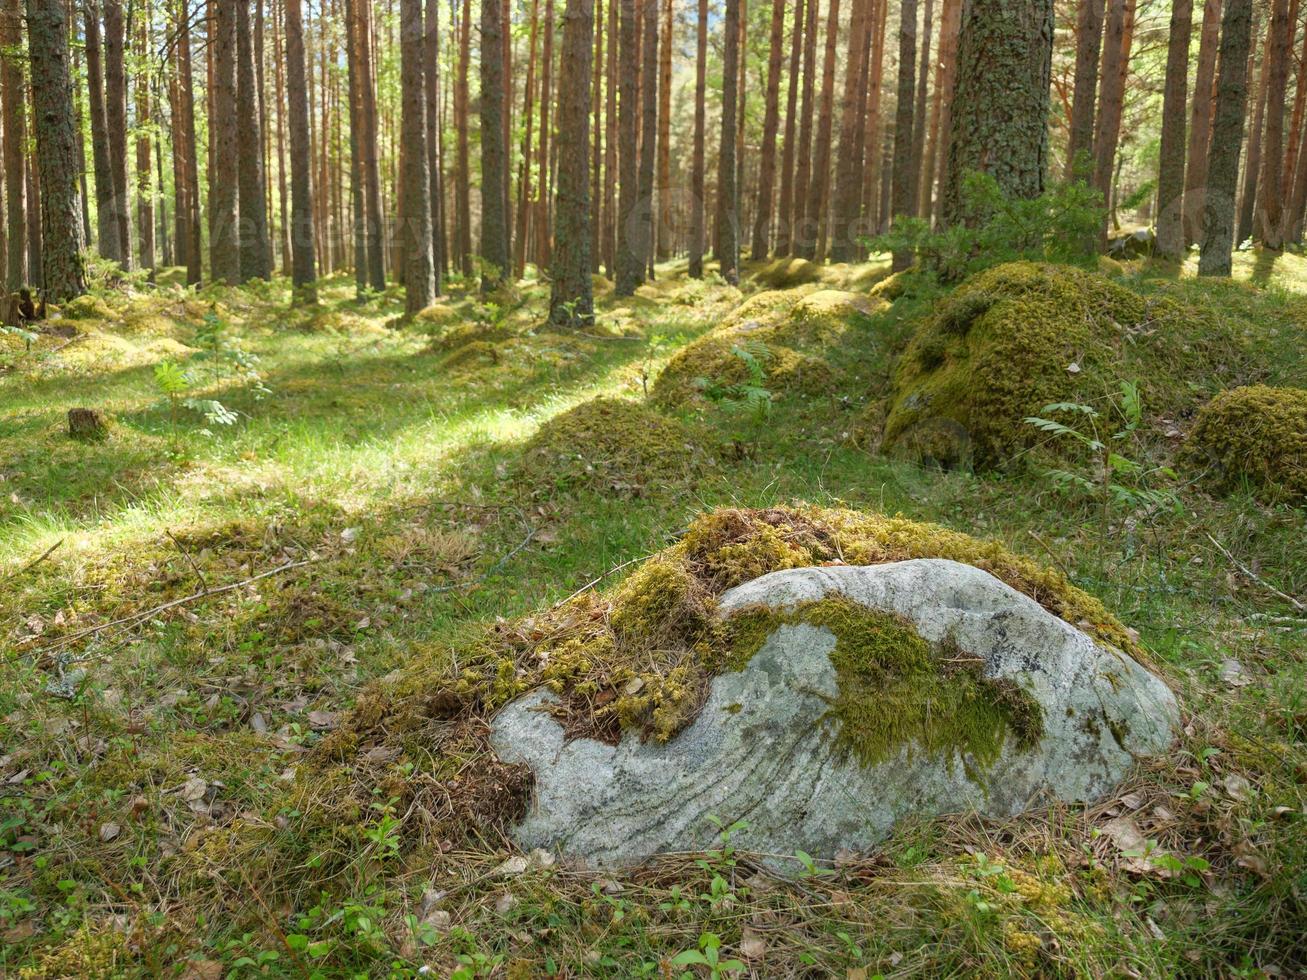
{"x": 1256, "y": 434}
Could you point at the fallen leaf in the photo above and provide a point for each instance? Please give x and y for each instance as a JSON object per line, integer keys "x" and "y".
{"x": 194, "y": 789}
{"x": 752, "y": 945}
{"x": 324, "y": 719}
{"x": 1237, "y": 787}
{"x": 108, "y": 831}
{"x": 513, "y": 867}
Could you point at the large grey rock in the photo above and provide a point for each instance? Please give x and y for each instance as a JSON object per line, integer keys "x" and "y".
{"x": 759, "y": 750}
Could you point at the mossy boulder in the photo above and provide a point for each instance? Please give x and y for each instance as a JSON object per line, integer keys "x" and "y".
{"x": 612, "y": 445}
{"x": 786, "y": 273}
{"x": 1017, "y": 337}
{"x": 848, "y": 698}
{"x": 1256, "y": 435}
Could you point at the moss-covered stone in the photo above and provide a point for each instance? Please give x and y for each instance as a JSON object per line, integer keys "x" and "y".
{"x": 1017, "y": 337}
{"x": 612, "y": 445}
{"x": 897, "y": 689}
{"x": 1255, "y": 434}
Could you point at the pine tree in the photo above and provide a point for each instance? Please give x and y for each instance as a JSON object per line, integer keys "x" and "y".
{"x": 819, "y": 183}
{"x": 224, "y": 239}
{"x": 1170, "y": 175}
{"x": 905, "y": 177}
{"x": 106, "y": 226}
{"x": 848, "y": 166}
{"x": 56, "y": 150}
{"x": 648, "y": 132}
{"x": 1273, "y": 232}
{"x": 494, "y": 157}
{"x": 1215, "y": 256}
{"x": 415, "y": 217}
{"x": 303, "y": 258}
{"x": 255, "y": 246}
{"x": 630, "y": 263}
{"x": 1202, "y": 106}
{"x": 14, "y": 94}
{"x": 115, "y": 116}
{"x": 1089, "y": 43}
{"x": 1000, "y": 107}
{"x": 728, "y": 208}
{"x": 571, "y": 299}
{"x": 785, "y": 206}
{"x": 697, "y": 178}
{"x": 1111, "y": 95}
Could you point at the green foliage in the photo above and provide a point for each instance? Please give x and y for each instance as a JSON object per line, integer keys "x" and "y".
{"x": 752, "y": 392}
{"x": 1061, "y": 225}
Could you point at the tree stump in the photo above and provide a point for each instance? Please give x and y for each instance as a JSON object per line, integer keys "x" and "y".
{"x": 86, "y": 425}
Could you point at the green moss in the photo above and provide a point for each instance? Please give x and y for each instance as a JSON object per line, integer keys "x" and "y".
{"x": 1256, "y": 434}
{"x": 712, "y": 360}
{"x": 896, "y": 689}
{"x": 612, "y": 445}
{"x": 786, "y": 273}
{"x": 1017, "y": 337}
{"x": 88, "y": 307}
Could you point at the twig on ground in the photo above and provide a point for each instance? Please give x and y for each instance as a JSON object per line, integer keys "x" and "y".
{"x": 504, "y": 560}
{"x": 194, "y": 567}
{"x": 35, "y": 561}
{"x": 595, "y": 581}
{"x": 1254, "y": 577}
{"x": 135, "y": 619}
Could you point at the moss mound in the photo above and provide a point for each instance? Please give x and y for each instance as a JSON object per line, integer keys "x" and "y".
{"x": 639, "y": 657}
{"x": 88, "y": 307}
{"x": 1255, "y": 434}
{"x": 612, "y": 445}
{"x": 787, "y": 273}
{"x": 1017, "y": 337}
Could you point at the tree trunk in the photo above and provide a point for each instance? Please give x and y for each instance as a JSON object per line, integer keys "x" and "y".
{"x": 597, "y": 131}
{"x": 415, "y": 216}
{"x": 571, "y": 299}
{"x": 374, "y": 225}
{"x": 1214, "y": 258}
{"x": 728, "y": 210}
{"x": 819, "y": 183}
{"x": 785, "y": 206}
{"x": 194, "y": 247}
{"x": 106, "y": 227}
{"x": 649, "y": 132}
{"x": 524, "y": 199}
{"x": 803, "y": 227}
{"x": 542, "y": 223}
{"x": 494, "y": 162}
{"x": 1202, "y": 109}
{"x": 848, "y": 166}
{"x": 1273, "y": 232}
{"x": 1253, "y": 164}
{"x": 663, "y": 226}
{"x": 759, "y": 246}
{"x": 945, "y": 67}
{"x": 875, "y": 136}
{"x": 630, "y": 265}
{"x": 905, "y": 178}
{"x": 115, "y": 117}
{"x": 919, "y": 114}
{"x": 1111, "y": 94}
{"x": 435, "y": 147}
{"x": 56, "y": 150}
{"x": 303, "y": 260}
{"x": 462, "y": 167}
{"x": 224, "y": 239}
{"x": 1000, "y": 107}
{"x": 697, "y": 189}
{"x": 1170, "y": 174}
{"x": 255, "y": 248}
{"x": 1089, "y": 43}
{"x": 610, "y": 148}
{"x": 144, "y": 163}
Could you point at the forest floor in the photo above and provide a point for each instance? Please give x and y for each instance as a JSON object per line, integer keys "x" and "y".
{"x": 191, "y": 604}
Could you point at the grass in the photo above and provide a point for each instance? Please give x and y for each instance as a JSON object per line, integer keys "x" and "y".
{"x": 154, "y": 787}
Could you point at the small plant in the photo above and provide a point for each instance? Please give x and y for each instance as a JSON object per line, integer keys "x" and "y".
{"x": 1119, "y": 479}
{"x": 708, "y": 955}
{"x": 173, "y": 382}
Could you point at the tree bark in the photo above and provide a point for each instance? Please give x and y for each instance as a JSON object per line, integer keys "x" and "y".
{"x": 462, "y": 167}
{"x": 905, "y": 178}
{"x": 649, "y": 132}
{"x": 697, "y": 177}
{"x": 663, "y": 226}
{"x": 186, "y": 94}
{"x": 1170, "y": 174}
{"x": 224, "y": 237}
{"x": 255, "y": 247}
{"x": 374, "y": 226}
{"x": 848, "y": 166}
{"x": 144, "y": 161}
{"x": 1253, "y": 164}
{"x": 597, "y": 143}
{"x": 56, "y": 150}
{"x": 15, "y": 137}
{"x": 524, "y": 199}
{"x": 785, "y": 206}
{"x": 415, "y": 218}
{"x": 799, "y": 230}
{"x": 760, "y": 244}
{"x": 819, "y": 184}
{"x": 1202, "y": 108}
{"x": 873, "y": 124}
{"x": 303, "y": 258}
{"x": 1273, "y": 232}
{"x": 435, "y": 143}
{"x": 610, "y": 148}
{"x": 571, "y": 299}
{"x": 494, "y": 162}
{"x": 115, "y": 116}
{"x": 919, "y": 114}
{"x": 1111, "y": 94}
{"x": 728, "y": 209}
{"x": 945, "y": 66}
{"x": 1000, "y": 108}
{"x": 106, "y": 228}
{"x": 1089, "y": 43}
{"x": 630, "y": 266}
{"x": 1215, "y": 256}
